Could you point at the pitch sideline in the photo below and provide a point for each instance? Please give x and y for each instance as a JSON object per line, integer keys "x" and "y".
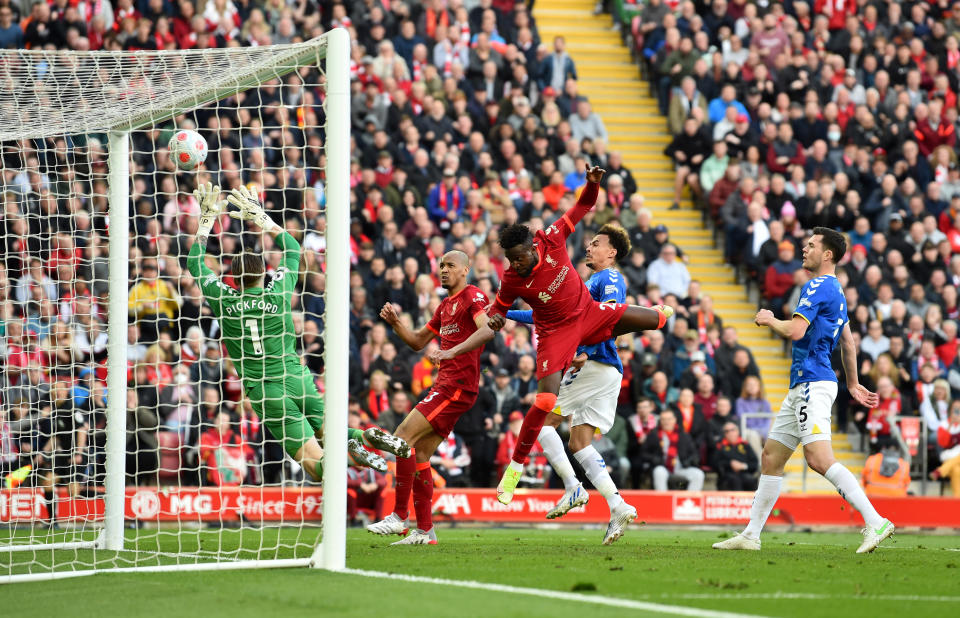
{"x": 676, "y": 610}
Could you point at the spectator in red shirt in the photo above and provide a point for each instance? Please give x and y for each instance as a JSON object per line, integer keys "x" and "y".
{"x": 224, "y": 454}
{"x": 778, "y": 280}
{"x": 948, "y": 439}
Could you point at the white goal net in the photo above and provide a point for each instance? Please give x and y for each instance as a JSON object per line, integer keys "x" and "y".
{"x": 126, "y": 437}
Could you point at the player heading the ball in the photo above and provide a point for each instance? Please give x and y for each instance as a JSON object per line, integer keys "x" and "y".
{"x": 564, "y": 314}
{"x": 257, "y": 326}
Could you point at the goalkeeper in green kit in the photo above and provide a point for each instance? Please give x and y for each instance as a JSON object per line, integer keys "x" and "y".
{"x": 257, "y": 327}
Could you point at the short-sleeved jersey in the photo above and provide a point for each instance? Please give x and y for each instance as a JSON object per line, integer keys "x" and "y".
{"x": 824, "y": 307}
{"x": 606, "y": 286}
{"x": 454, "y": 321}
{"x": 256, "y": 323}
{"x": 553, "y": 289}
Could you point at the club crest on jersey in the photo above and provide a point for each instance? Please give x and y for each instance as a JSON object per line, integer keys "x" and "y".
{"x": 545, "y": 365}
{"x": 454, "y": 308}
{"x": 544, "y": 297}
{"x": 550, "y": 261}
{"x": 805, "y": 302}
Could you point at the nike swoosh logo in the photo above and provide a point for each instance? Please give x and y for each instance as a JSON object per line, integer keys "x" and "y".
{"x": 882, "y": 528}
{"x": 529, "y": 284}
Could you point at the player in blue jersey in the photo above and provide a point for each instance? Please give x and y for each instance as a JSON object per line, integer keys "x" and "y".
{"x": 818, "y": 324}
{"x": 589, "y": 391}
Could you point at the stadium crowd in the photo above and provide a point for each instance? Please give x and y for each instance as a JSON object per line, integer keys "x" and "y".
{"x": 464, "y": 119}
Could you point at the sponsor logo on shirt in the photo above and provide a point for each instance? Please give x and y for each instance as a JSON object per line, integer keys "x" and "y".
{"x": 449, "y": 329}
{"x": 553, "y": 287}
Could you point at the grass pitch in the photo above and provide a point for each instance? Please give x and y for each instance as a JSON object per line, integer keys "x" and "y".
{"x": 796, "y": 574}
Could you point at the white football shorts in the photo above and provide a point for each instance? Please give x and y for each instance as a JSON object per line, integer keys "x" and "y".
{"x": 805, "y": 414}
{"x": 589, "y": 396}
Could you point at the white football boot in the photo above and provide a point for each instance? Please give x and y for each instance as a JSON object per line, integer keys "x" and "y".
{"x": 873, "y": 536}
{"x": 620, "y": 518}
{"x": 738, "y": 542}
{"x": 418, "y": 537}
{"x": 571, "y": 499}
{"x": 391, "y": 524}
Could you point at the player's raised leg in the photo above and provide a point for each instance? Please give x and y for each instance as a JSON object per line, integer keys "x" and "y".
{"x": 636, "y": 319}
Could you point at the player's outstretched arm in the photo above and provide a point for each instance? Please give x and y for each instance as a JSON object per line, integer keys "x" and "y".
{"x": 793, "y": 329}
{"x": 479, "y": 338}
{"x": 588, "y": 198}
{"x": 848, "y": 352}
{"x": 249, "y": 209}
{"x": 520, "y": 315}
{"x": 208, "y": 196}
{"x": 415, "y": 339}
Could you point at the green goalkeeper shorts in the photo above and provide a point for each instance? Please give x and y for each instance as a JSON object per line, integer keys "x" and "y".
{"x": 290, "y": 407}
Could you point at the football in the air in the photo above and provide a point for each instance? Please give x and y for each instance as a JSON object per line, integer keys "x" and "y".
{"x": 188, "y": 149}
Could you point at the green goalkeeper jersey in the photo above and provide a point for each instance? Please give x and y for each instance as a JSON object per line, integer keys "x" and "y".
{"x": 256, "y": 324}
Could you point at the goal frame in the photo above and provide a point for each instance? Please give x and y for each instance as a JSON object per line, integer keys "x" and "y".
{"x": 330, "y": 553}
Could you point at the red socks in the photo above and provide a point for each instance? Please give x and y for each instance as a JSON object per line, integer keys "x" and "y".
{"x": 406, "y": 469}
{"x": 529, "y": 432}
{"x": 423, "y": 496}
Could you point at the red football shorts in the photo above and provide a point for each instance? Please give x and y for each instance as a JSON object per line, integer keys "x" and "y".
{"x": 556, "y": 349}
{"x": 443, "y": 406}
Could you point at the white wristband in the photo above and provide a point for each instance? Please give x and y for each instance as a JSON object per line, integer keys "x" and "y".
{"x": 205, "y": 225}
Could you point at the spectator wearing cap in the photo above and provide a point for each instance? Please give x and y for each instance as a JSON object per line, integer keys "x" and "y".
{"x": 587, "y": 124}
{"x": 684, "y": 100}
{"x": 669, "y": 273}
{"x": 445, "y": 201}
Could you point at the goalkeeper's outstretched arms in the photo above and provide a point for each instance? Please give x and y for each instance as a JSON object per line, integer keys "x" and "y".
{"x": 249, "y": 209}
{"x": 208, "y": 196}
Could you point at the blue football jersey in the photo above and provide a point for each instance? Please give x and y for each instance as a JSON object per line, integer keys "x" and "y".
{"x": 824, "y": 307}
{"x": 605, "y": 286}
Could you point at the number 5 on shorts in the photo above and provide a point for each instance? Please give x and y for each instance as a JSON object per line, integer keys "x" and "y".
{"x": 803, "y": 414}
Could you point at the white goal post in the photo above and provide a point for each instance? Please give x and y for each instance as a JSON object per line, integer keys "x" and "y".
{"x": 50, "y": 97}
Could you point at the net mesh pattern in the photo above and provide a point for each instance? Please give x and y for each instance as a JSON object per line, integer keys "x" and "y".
{"x": 206, "y": 481}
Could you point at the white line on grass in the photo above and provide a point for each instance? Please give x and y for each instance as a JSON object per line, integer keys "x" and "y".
{"x": 808, "y": 596}
{"x": 677, "y": 610}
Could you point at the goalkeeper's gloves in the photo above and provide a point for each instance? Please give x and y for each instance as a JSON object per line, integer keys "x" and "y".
{"x": 250, "y": 208}
{"x": 208, "y": 196}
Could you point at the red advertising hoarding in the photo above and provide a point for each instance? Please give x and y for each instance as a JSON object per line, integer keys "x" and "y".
{"x": 292, "y": 504}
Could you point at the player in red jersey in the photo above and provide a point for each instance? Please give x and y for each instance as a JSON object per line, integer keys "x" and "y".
{"x": 461, "y": 314}
{"x": 564, "y": 314}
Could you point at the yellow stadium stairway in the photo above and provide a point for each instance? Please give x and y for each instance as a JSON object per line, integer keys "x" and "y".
{"x": 611, "y": 81}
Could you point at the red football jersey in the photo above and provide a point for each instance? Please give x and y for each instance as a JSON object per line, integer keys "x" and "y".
{"x": 554, "y": 289}
{"x": 454, "y": 321}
